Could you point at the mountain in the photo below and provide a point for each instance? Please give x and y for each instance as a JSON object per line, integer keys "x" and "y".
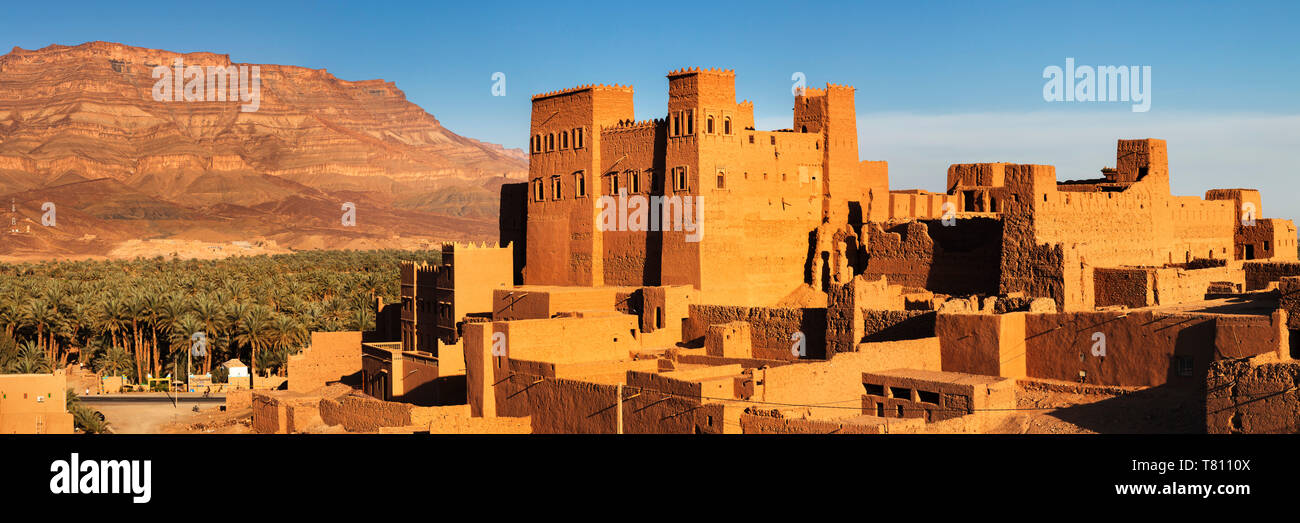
{"x": 96, "y": 130}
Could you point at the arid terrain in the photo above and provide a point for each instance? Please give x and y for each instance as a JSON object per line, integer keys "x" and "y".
{"x": 132, "y": 176}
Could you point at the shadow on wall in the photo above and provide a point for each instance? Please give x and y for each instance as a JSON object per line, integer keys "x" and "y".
{"x": 1178, "y": 409}
{"x": 445, "y": 390}
{"x": 967, "y": 256}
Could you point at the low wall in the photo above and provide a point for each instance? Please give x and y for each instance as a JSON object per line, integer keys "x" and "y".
{"x": 772, "y": 328}
{"x": 1143, "y": 348}
{"x": 1253, "y": 396}
{"x": 1260, "y": 273}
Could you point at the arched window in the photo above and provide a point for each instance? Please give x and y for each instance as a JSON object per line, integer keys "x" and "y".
{"x": 580, "y": 184}
{"x": 708, "y": 126}
{"x": 564, "y": 140}
{"x": 726, "y": 125}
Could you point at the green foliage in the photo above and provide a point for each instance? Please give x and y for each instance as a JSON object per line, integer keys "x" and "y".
{"x": 220, "y": 374}
{"x": 126, "y": 313}
{"x": 31, "y": 359}
{"x": 86, "y": 419}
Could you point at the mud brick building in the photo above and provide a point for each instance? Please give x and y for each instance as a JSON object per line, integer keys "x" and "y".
{"x": 692, "y": 274}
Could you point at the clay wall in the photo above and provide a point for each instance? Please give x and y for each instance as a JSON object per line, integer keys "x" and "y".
{"x": 1260, "y": 273}
{"x": 564, "y": 247}
{"x": 960, "y": 259}
{"x": 934, "y": 396}
{"x": 773, "y": 328}
{"x": 330, "y": 357}
{"x": 1143, "y": 348}
{"x": 834, "y": 387}
{"x": 1253, "y": 396}
{"x": 987, "y": 344}
{"x": 34, "y": 404}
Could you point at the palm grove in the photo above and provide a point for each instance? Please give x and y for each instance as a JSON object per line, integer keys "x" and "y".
{"x": 139, "y": 318}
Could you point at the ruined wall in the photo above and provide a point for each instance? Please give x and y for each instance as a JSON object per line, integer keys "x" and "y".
{"x": 893, "y": 325}
{"x": 773, "y": 328}
{"x": 962, "y": 258}
{"x": 1253, "y": 396}
{"x": 1136, "y": 222}
{"x": 1144, "y": 287}
{"x": 1260, "y": 273}
{"x": 360, "y": 413}
{"x": 330, "y": 357}
{"x": 1289, "y": 300}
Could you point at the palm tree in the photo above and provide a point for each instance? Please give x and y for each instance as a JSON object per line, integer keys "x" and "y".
{"x": 31, "y": 360}
{"x": 210, "y": 313}
{"x": 253, "y": 333}
{"x": 287, "y": 336}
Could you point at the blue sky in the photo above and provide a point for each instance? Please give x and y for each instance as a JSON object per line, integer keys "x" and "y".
{"x": 938, "y": 83}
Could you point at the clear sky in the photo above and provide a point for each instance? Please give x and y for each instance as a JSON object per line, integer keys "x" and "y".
{"x": 937, "y": 83}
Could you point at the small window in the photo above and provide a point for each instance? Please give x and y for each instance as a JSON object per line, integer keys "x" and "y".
{"x": 722, "y": 179}
{"x": 773, "y": 138}
{"x": 1184, "y": 364}
{"x": 677, "y": 124}
{"x": 613, "y": 183}
{"x": 564, "y": 140}
{"x": 555, "y": 187}
{"x": 708, "y": 126}
{"x": 726, "y": 125}
{"x": 751, "y": 139}
{"x": 803, "y": 128}
{"x": 550, "y": 142}
{"x": 690, "y": 121}
{"x": 537, "y": 190}
{"x": 577, "y": 138}
{"x": 580, "y": 184}
{"x": 633, "y": 182}
{"x": 680, "y": 179}
{"x": 783, "y": 177}
{"x": 1266, "y": 245}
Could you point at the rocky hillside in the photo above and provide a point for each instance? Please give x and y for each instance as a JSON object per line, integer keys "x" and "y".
{"x": 81, "y": 127}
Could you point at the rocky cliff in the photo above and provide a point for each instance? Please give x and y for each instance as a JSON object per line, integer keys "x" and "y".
{"x": 84, "y": 127}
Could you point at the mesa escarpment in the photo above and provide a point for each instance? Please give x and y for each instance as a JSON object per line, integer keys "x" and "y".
{"x": 80, "y": 127}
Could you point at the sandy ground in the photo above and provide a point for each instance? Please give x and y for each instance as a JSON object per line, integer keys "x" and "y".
{"x": 147, "y": 418}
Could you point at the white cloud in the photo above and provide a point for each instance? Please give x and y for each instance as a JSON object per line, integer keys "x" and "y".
{"x": 1206, "y": 150}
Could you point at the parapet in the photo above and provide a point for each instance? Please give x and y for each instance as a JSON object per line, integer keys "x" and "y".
{"x": 582, "y": 88}
{"x": 686, "y": 71}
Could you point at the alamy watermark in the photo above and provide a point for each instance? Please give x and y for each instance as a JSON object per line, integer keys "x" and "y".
{"x": 194, "y": 83}
{"x": 1103, "y": 83}
{"x": 654, "y": 213}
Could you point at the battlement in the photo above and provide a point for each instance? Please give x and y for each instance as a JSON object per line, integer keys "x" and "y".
{"x": 583, "y": 88}
{"x": 685, "y": 71}
{"x": 633, "y": 125}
